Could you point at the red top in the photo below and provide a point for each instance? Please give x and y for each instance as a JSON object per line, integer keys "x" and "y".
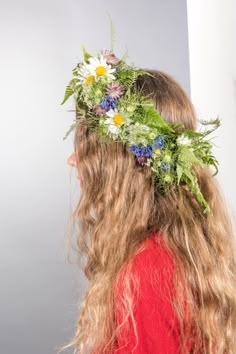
{"x": 157, "y": 324}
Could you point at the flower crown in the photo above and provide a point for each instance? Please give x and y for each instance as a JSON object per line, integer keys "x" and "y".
{"x": 105, "y": 93}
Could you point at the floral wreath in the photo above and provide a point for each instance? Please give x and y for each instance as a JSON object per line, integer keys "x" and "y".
{"x": 104, "y": 90}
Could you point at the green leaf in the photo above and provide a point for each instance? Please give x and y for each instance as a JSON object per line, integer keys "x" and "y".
{"x": 68, "y": 92}
{"x": 178, "y": 126}
{"x": 85, "y": 54}
{"x": 153, "y": 119}
{"x": 69, "y": 130}
{"x": 179, "y": 171}
{"x": 128, "y": 76}
{"x": 215, "y": 122}
{"x": 192, "y": 182}
{"x": 192, "y": 178}
{"x": 112, "y": 34}
{"x": 75, "y": 71}
{"x": 192, "y": 134}
{"x": 187, "y": 157}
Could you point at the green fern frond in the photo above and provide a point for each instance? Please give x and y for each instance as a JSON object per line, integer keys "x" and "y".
{"x": 129, "y": 76}
{"x": 191, "y": 180}
{"x": 214, "y": 122}
{"x": 153, "y": 119}
{"x": 68, "y": 92}
{"x": 70, "y": 130}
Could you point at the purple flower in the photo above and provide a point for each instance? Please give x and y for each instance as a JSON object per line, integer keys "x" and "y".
{"x": 110, "y": 57}
{"x": 108, "y": 103}
{"x": 115, "y": 90}
{"x": 99, "y": 111}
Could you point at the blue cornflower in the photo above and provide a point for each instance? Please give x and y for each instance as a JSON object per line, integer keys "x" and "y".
{"x": 158, "y": 142}
{"x": 139, "y": 150}
{"x": 147, "y": 150}
{"x": 164, "y": 166}
{"x": 108, "y": 103}
{"x": 136, "y": 150}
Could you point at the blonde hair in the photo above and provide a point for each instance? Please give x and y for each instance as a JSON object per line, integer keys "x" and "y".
{"x": 118, "y": 209}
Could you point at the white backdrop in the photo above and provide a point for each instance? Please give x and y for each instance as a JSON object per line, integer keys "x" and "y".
{"x": 212, "y": 55}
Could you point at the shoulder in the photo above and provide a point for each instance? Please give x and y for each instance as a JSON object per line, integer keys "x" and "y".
{"x": 150, "y": 273}
{"x": 154, "y": 254}
{"x": 154, "y": 267}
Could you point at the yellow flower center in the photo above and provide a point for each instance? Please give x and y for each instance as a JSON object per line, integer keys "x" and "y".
{"x": 101, "y": 70}
{"x": 118, "y": 119}
{"x": 157, "y": 152}
{"x": 89, "y": 79}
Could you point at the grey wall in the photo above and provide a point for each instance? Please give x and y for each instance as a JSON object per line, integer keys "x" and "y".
{"x": 40, "y": 44}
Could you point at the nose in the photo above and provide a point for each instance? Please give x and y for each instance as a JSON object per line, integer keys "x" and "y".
{"x": 72, "y": 160}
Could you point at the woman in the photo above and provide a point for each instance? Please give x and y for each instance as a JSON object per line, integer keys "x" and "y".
{"x": 162, "y": 272}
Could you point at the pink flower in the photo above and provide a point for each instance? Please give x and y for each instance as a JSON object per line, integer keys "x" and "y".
{"x": 99, "y": 111}
{"x": 110, "y": 57}
{"x": 115, "y": 90}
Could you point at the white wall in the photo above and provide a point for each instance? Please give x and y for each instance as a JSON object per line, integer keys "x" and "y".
{"x": 212, "y": 55}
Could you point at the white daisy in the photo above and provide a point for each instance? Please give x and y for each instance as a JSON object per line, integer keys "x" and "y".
{"x": 98, "y": 67}
{"x": 114, "y": 121}
{"x": 85, "y": 76}
{"x": 183, "y": 140}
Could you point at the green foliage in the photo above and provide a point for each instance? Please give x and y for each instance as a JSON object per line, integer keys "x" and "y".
{"x": 70, "y": 90}
{"x": 134, "y": 120}
{"x": 214, "y": 122}
{"x": 127, "y": 76}
{"x": 85, "y": 54}
{"x": 152, "y": 118}
{"x": 186, "y": 157}
{"x": 68, "y": 93}
{"x": 72, "y": 127}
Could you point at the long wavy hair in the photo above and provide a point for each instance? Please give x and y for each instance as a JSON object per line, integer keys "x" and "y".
{"x": 118, "y": 208}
